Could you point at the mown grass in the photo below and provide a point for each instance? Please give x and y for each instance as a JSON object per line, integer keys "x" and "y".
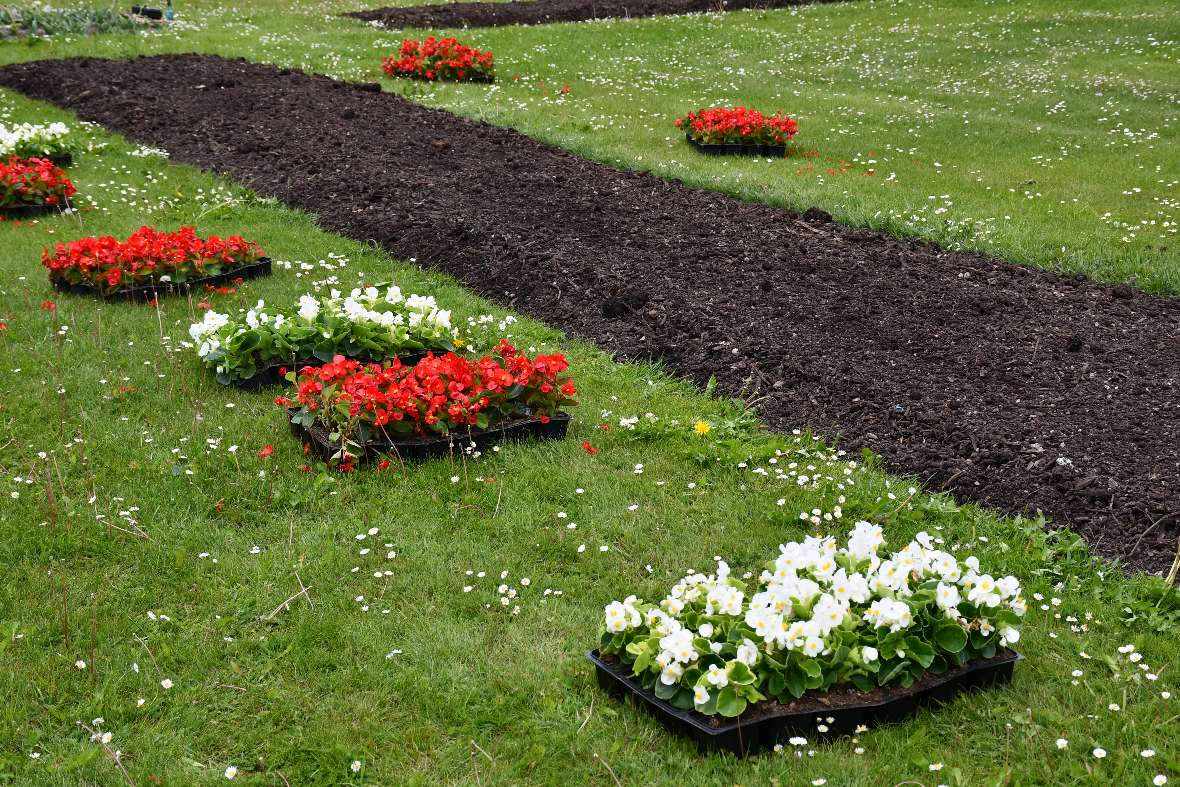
{"x": 111, "y": 419}
{"x": 1037, "y": 130}
{"x": 110, "y": 414}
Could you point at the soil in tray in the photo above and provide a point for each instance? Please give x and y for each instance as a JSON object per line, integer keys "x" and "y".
{"x": 28, "y": 211}
{"x": 536, "y": 12}
{"x": 964, "y": 370}
{"x": 422, "y": 448}
{"x": 148, "y": 291}
{"x": 843, "y": 707}
{"x": 735, "y": 149}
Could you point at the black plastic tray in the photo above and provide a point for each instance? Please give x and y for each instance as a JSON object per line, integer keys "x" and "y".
{"x": 149, "y": 291}
{"x": 418, "y": 449}
{"x": 62, "y": 161}
{"x": 28, "y": 211}
{"x": 730, "y": 149}
{"x": 744, "y": 738}
{"x": 268, "y": 376}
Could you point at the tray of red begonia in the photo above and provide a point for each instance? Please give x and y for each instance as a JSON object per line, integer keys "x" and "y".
{"x": 30, "y": 187}
{"x": 349, "y": 413}
{"x": 738, "y": 131}
{"x": 440, "y": 60}
{"x": 828, "y": 642}
{"x": 150, "y": 263}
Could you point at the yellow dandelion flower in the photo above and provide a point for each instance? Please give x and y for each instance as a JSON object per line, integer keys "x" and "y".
{"x": 701, "y": 427}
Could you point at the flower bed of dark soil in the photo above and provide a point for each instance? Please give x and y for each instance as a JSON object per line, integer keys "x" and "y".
{"x": 1006, "y": 385}
{"x": 444, "y": 16}
{"x": 840, "y": 710}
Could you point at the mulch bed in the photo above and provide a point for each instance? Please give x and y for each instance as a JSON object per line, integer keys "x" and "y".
{"x": 538, "y": 12}
{"x": 1007, "y": 385}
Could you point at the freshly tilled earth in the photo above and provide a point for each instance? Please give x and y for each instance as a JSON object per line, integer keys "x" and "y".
{"x": 1013, "y": 387}
{"x": 445, "y": 16}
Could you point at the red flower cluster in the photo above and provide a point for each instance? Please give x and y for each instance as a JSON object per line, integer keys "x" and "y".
{"x": 438, "y": 394}
{"x": 444, "y": 59}
{"x": 145, "y": 257}
{"x": 738, "y": 125}
{"x": 34, "y": 181}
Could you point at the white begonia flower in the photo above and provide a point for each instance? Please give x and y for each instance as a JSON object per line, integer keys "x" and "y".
{"x": 747, "y": 653}
{"x": 706, "y": 630}
{"x": 679, "y": 644}
{"x": 671, "y": 673}
{"x": 947, "y": 597}
{"x": 309, "y": 308}
{"x": 700, "y": 695}
{"x": 620, "y": 617}
{"x": 717, "y": 676}
{"x": 983, "y": 593}
{"x": 1009, "y": 636}
{"x": 813, "y": 647}
{"x": 868, "y": 654}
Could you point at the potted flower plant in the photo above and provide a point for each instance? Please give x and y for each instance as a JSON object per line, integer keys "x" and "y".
{"x": 370, "y": 324}
{"x": 440, "y": 60}
{"x": 348, "y": 412}
{"x": 738, "y": 130}
{"x": 151, "y": 262}
{"x": 48, "y": 141}
{"x": 31, "y": 186}
{"x": 842, "y": 632}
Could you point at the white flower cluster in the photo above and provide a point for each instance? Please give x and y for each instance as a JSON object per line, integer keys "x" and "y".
{"x": 372, "y": 305}
{"x": 205, "y": 333}
{"x": 812, "y": 590}
{"x": 29, "y": 139}
{"x": 389, "y": 309}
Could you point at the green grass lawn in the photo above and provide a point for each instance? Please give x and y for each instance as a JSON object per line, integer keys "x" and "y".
{"x": 145, "y": 544}
{"x": 1036, "y": 130}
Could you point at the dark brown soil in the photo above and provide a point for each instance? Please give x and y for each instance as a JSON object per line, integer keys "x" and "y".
{"x": 1006, "y": 385}
{"x": 537, "y": 12}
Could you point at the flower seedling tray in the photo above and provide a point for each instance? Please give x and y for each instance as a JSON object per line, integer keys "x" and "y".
{"x": 731, "y": 149}
{"x": 149, "y": 291}
{"x": 422, "y": 448}
{"x": 766, "y": 724}
{"x": 28, "y": 211}
{"x": 268, "y": 375}
{"x": 63, "y": 160}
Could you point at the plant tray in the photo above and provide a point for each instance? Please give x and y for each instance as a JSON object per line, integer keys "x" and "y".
{"x": 149, "y": 291}
{"x": 770, "y": 723}
{"x": 767, "y": 151}
{"x": 62, "y": 161}
{"x": 28, "y": 211}
{"x": 419, "y": 448}
{"x": 268, "y": 376}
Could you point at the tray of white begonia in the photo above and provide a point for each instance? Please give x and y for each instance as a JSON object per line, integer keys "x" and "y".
{"x": 829, "y": 640}
{"x": 377, "y": 323}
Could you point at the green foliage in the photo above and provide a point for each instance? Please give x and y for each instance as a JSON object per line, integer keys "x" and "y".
{"x": 19, "y": 21}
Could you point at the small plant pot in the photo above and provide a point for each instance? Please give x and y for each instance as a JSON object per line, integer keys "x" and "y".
{"x": 268, "y": 376}
{"x": 149, "y": 291}
{"x": 28, "y": 211}
{"x": 766, "y": 724}
{"x": 146, "y": 12}
{"x": 416, "y": 449}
